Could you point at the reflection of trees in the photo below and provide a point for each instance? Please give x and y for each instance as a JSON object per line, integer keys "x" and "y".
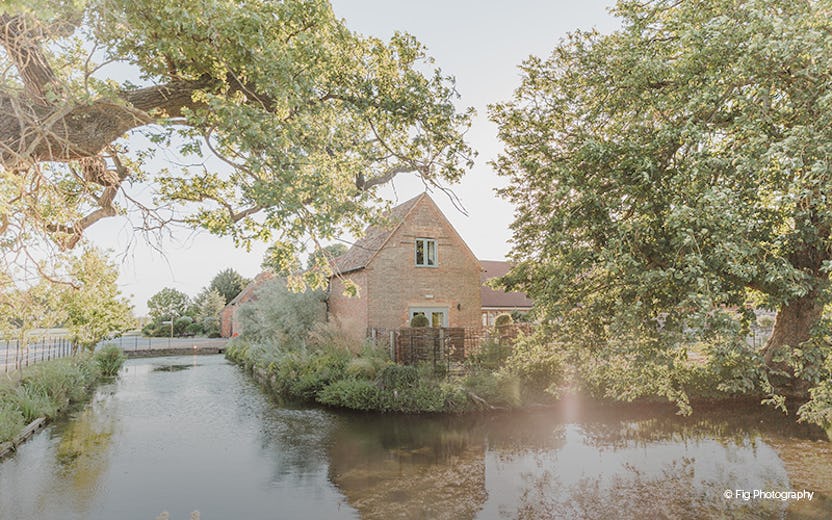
{"x": 410, "y": 467}
{"x": 84, "y": 449}
{"x": 675, "y": 493}
{"x": 607, "y": 426}
{"x": 809, "y": 465}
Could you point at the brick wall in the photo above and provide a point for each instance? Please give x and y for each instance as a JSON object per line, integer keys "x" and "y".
{"x": 350, "y": 313}
{"x": 395, "y": 283}
{"x": 229, "y": 324}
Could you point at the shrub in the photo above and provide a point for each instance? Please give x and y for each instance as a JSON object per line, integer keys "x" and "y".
{"x": 280, "y": 317}
{"x": 503, "y": 320}
{"x": 331, "y": 335}
{"x": 419, "y": 399}
{"x": 419, "y": 320}
{"x": 180, "y": 325}
{"x": 43, "y": 390}
{"x": 537, "y": 364}
{"x": 765, "y": 322}
{"x": 364, "y": 368}
{"x": 194, "y": 329}
{"x": 302, "y": 375}
{"x": 11, "y": 422}
{"x": 32, "y": 403}
{"x": 398, "y": 377}
{"x": 490, "y": 355}
{"x": 497, "y": 389}
{"x": 351, "y": 393}
{"x": 109, "y": 360}
{"x": 63, "y": 380}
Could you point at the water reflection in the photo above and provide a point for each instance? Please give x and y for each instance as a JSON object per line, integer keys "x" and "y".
{"x": 209, "y": 439}
{"x": 603, "y": 462}
{"x": 409, "y": 467}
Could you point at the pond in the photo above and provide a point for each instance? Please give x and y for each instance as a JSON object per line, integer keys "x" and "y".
{"x": 197, "y": 434}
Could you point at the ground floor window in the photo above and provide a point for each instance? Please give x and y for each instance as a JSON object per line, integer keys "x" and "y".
{"x": 437, "y": 316}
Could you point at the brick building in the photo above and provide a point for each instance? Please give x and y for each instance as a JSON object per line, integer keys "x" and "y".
{"x": 417, "y": 265}
{"x": 229, "y": 324}
{"x": 495, "y": 301}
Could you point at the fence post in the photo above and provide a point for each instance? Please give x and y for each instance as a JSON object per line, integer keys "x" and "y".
{"x": 393, "y": 346}
{"x": 441, "y": 347}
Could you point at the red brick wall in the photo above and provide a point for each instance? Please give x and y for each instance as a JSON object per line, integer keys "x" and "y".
{"x": 226, "y": 317}
{"x": 395, "y": 283}
{"x": 350, "y": 313}
{"x": 229, "y": 324}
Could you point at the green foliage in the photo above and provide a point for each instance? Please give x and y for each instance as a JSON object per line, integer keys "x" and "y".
{"x": 496, "y": 388}
{"x": 419, "y": 320}
{"x": 521, "y": 317}
{"x": 307, "y": 117}
{"x": 368, "y": 396}
{"x": 94, "y": 307}
{"x": 652, "y": 194}
{"x": 63, "y": 380}
{"x": 32, "y": 403}
{"x": 326, "y": 255}
{"x": 355, "y": 394}
{"x": 503, "y": 320}
{"x": 399, "y": 377}
{"x": 537, "y": 363}
{"x": 45, "y": 389}
{"x": 109, "y": 359}
{"x": 167, "y": 304}
{"x": 765, "y": 322}
{"x": 11, "y": 421}
{"x": 490, "y": 355}
{"x": 366, "y": 367}
{"x": 280, "y": 317}
{"x": 302, "y": 375}
{"x": 193, "y": 329}
{"x": 228, "y": 284}
{"x": 207, "y": 307}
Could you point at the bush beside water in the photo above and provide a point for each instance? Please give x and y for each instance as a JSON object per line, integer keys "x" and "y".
{"x": 361, "y": 377}
{"x": 46, "y": 389}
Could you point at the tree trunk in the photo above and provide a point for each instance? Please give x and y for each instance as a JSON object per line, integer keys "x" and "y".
{"x": 792, "y": 327}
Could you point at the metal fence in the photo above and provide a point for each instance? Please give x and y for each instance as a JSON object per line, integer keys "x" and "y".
{"x": 17, "y": 354}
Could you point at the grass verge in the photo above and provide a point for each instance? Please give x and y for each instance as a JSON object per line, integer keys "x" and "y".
{"x": 47, "y": 389}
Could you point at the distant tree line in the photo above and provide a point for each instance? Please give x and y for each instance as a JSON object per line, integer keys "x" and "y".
{"x": 174, "y": 314}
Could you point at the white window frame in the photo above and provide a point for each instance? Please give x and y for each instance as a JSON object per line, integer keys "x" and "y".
{"x": 429, "y": 311}
{"x": 426, "y": 248}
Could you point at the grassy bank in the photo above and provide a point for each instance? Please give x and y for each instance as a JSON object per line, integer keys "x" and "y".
{"x": 367, "y": 380}
{"x": 47, "y": 389}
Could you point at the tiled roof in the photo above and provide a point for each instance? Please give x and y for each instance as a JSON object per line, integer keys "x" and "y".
{"x": 247, "y": 291}
{"x": 360, "y": 254}
{"x": 500, "y": 299}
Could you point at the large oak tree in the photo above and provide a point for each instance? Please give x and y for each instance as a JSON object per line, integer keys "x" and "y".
{"x": 673, "y": 175}
{"x": 306, "y": 117}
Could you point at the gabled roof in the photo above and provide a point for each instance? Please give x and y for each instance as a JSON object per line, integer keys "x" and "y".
{"x": 500, "y": 299}
{"x": 252, "y": 285}
{"x": 360, "y": 254}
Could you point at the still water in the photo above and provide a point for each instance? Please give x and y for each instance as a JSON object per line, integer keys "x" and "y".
{"x": 197, "y": 434}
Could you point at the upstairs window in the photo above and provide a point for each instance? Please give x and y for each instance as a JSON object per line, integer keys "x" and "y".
{"x": 426, "y": 252}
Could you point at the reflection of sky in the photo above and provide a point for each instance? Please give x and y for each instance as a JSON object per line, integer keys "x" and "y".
{"x": 717, "y": 466}
{"x": 203, "y": 438}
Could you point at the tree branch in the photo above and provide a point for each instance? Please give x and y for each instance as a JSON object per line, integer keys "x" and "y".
{"x": 22, "y": 45}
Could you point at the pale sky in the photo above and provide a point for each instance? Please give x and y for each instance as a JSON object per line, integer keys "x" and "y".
{"x": 481, "y": 43}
